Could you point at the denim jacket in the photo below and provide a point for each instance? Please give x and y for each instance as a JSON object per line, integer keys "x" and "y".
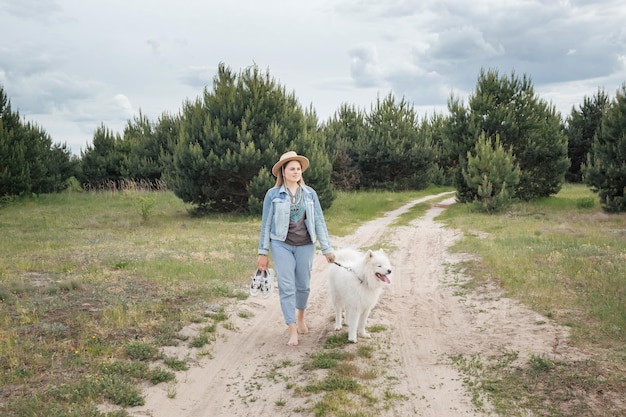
{"x": 275, "y": 220}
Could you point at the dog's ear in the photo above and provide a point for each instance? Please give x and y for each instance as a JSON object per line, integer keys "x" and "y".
{"x": 369, "y": 254}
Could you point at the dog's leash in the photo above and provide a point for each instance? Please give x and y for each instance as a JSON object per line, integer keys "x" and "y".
{"x": 349, "y": 269}
{"x": 343, "y": 266}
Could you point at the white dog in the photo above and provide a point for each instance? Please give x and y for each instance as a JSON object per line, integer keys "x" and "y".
{"x": 355, "y": 281}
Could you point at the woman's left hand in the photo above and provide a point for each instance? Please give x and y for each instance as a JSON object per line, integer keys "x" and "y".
{"x": 330, "y": 257}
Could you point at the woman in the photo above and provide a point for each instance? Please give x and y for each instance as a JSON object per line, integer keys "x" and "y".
{"x": 291, "y": 224}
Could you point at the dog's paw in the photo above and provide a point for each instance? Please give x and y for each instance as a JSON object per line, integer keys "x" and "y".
{"x": 337, "y": 327}
{"x": 365, "y": 335}
{"x": 352, "y": 340}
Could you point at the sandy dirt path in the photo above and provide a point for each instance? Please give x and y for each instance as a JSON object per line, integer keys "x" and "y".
{"x": 248, "y": 368}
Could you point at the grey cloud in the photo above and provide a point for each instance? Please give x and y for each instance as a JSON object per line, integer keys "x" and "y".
{"x": 364, "y": 66}
{"x": 548, "y": 41}
{"x": 26, "y": 61}
{"x": 31, "y": 9}
{"x": 46, "y": 92}
{"x": 36, "y": 86}
{"x": 463, "y": 43}
{"x": 537, "y": 38}
{"x": 409, "y": 80}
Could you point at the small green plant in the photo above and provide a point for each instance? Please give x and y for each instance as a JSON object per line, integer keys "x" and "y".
{"x": 220, "y": 316}
{"x": 144, "y": 204}
{"x": 245, "y": 314}
{"x": 168, "y": 333}
{"x": 72, "y": 185}
{"x": 134, "y": 369}
{"x": 336, "y": 340}
{"x": 333, "y": 382}
{"x": 229, "y": 326}
{"x": 199, "y": 341}
{"x": 365, "y": 351}
{"x": 325, "y": 360}
{"x": 171, "y": 390}
{"x": 377, "y": 328}
{"x": 158, "y": 375}
{"x": 540, "y": 364}
{"x": 176, "y": 364}
{"x": 141, "y": 351}
{"x": 121, "y": 391}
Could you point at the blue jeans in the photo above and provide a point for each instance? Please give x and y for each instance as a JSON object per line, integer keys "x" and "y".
{"x": 292, "y": 265}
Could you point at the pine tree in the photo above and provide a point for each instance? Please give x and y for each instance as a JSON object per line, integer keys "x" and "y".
{"x": 605, "y": 170}
{"x": 14, "y": 171}
{"x": 29, "y": 161}
{"x": 392, "y": 153}
{"x": 457, "y": 140}
{"x": 492, "y": 174}
{"x": 166, "y": 134}
{"x": 343, "y": 131}
{"x": 142, "y": 160}
{"x": 102, "y": 162}
{"x": 432, "y": 129}
{"x": 509, "y": 107}
{"x": 231, "y": 137}
{"x": 581, "y": 128}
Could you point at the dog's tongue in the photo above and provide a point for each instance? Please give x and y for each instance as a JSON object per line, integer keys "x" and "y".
{"x": 383, "y": 278}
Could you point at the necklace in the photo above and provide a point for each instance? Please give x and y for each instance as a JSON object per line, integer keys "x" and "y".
{"x": 297, "y": 205}
{"x": 297, "y": 197}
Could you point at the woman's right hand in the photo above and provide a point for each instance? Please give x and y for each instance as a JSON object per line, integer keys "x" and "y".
{"x": 262, "y": 262}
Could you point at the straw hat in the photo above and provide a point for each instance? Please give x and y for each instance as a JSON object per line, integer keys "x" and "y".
{"x": 287, "y": 157}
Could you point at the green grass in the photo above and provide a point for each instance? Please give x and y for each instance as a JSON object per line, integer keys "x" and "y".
{"x": 351, "y": 209}
{"x": 347, "y": 379}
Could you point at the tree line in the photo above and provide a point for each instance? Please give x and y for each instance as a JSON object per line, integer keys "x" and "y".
{"x": 504, "y": 144}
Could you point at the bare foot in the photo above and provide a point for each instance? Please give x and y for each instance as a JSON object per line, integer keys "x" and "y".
{"x": 302, "y": 327}
{"x": 293, "y": 335}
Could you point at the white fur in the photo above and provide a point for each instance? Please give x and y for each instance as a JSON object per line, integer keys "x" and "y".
{"x": 355, "y": 287}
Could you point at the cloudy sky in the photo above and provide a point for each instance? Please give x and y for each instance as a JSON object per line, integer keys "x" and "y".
{"x": 72, "y": 65}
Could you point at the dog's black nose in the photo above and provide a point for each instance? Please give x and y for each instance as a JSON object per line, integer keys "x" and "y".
{"x": 388, "y": 271}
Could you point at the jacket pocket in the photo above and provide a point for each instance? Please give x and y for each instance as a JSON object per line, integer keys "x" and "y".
{"x": 281, "y": 218}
